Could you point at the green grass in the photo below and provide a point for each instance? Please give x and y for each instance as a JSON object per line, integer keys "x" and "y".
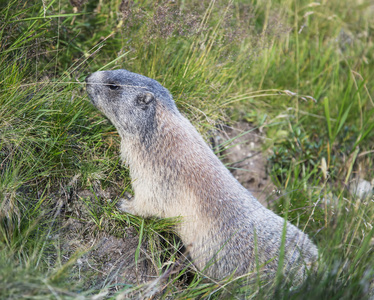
{"x": 299, "y": 70}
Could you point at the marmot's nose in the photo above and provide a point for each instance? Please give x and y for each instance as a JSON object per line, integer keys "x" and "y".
{"x": 88, "y": 77}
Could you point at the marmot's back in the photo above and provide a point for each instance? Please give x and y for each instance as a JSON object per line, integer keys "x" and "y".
{"x": 175, "y": 173}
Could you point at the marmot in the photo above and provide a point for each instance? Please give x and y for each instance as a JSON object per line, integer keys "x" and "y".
{"x": 175, "y": 173}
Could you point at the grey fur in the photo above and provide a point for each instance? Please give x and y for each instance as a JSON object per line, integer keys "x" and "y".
{"x": 175, "y": 173}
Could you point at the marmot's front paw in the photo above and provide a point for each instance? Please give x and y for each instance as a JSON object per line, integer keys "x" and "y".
{"x": 125, "y": 204}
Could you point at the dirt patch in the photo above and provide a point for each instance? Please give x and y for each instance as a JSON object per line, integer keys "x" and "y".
{"x": 243, "y": 155}
{"x": 104, "y": 257}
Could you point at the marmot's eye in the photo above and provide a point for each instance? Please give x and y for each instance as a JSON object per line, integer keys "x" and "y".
{"x": 113, "y": 87}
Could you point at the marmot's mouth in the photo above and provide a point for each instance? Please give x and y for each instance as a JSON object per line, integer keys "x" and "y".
{"x": 92, "y": 94}
{"x": 90, "y": 88}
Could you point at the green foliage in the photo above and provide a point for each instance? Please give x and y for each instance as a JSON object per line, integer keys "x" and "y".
{"x": 294, "y": 151}
{"x": 299, "y": 70}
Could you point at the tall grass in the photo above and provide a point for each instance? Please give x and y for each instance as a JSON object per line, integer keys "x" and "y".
{"x": 299, "y": 70}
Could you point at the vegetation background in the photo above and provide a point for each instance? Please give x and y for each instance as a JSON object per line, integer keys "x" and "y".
{"x": 301, "y": 72}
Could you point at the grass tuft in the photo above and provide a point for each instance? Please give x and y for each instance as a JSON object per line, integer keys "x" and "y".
{"x": 299, "y": 71}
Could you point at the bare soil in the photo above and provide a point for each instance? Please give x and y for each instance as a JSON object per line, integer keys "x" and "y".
{"x": 244, "y": 157}
{"x": 105, "y": 256}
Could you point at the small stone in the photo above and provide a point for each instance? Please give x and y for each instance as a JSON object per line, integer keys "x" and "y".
{"x": 361, "y": 188}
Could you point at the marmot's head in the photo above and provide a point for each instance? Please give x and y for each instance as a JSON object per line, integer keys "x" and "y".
{"x": 129, "y": 100}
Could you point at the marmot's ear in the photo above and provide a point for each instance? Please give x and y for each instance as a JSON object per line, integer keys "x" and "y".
{"x": 145, "y": 98}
